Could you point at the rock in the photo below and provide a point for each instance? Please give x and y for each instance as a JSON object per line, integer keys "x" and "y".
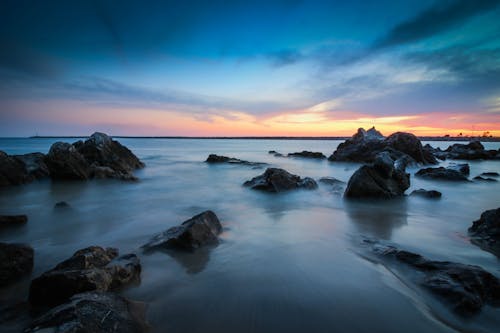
{"x": 485, "y": 232}
{"x": 463, "y": 168}
{"x": 485, "y": 179}
{"x": 410, "y": 145}
{"x": 279, "y": 180}
{"x": 16, "y": 260}
{"x": 453, "y": 173}
{"x": 96, "y": 312}
{"x": 275, "y": 153}
{"x": 34, "y": 165}
{"x": 196, "y": 232}
{"x": 466, "y": 288}
{"x": 330, "y": 181}
{"x": 12, "y": 220}
{"x": 474, "y": 150}
{"x": 66, "y": 163}
{"x": 436, "y": 152}
{"x": 62, "y": 205}
{"x": 12, "y": 171}
{"x": 307, "y": 154}
{"x": 213, "y": 158}
{"x": 430, "y": 194}
{"x": 89, "y": 269}
{"x": 383, "y": 179}
{"x": 490, "y": 174}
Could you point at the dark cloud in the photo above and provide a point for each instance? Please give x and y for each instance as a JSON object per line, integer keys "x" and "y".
{"x": 442, "y": 16}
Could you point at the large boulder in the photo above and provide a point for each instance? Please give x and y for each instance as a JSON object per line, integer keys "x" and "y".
{"x": 198, "y": 231}
{"x": 89, "y": 269}
{"x": 16, "y": 261}
{"x": 65, "y": 162}
{"x": 34, "y": 165}
{"x": 12, "y": 170}
{"x": 383, "y": 179}
{"x": 485, "y": 232}
{"x": 96, "y": 312}
{"x": 474, "y": 150}
{"x": 410, "y": 145}
{"x": 308, "y": 154}
{"x": 279, "y": 180}
{"x": 451, "y": 173}
{"x": 466, "y": 288}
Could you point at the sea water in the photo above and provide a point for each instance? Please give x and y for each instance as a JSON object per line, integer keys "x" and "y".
{"x": 287, "y": 262}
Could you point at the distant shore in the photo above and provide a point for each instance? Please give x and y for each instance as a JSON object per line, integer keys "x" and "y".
{"x": 422, "y": 138}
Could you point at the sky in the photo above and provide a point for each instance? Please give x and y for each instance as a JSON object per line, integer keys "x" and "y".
{"x": 249, "y": 68}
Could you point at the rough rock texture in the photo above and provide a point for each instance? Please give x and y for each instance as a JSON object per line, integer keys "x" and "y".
{"x": 485, "y": 232}
{"x": 16, "y": 260}
{"x": 474, "y": 150}
{"x": 12, "y": 171}
{"x": 89, "y": 269}
{"x": 453, "y": 173}
{"x": 12, "y": 220}
{"x": 307, "y": 154}
{"x": 198, "y": 231}
{"x": 364, "y": 146}
{"x": 430, "y": 194}
{"x": 34, "y": 165}
{"x": 279, "y": 180}
{"x": 466, "y": 288}
{"x": 383, "y": 179}
{"x": 95, "y": 312}
{"x": 213, "y": 158}
{"x": 65, "y": 162}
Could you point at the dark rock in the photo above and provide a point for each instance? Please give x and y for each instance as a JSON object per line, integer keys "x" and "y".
{"x": 34, "y": 165}
{"x": 436, "y": 152}
{"x": 485, "y": 232}
{"x": 383, "y": 179}
{"x": 463, "y": 168}
{"x": 490, "y": 174}
{"x": 330, "y": 181}
{"x": 12, "y": 171}
{"x": 410, "y": 145}
{"x": 451, "y": 173}
{"x": 485, "y": 179}
{"x": 466, "y": 288}
{"x": 62, "y": 205}
{"x": 198, "y": 231}
{"x": 213, "y": 158}
{"x": 430, "y": 194}
{"x": 12, "y": 220}
{"x": 16, "y": 260}
{"x": 96, "y": 312}
{"x": 275, "y": 153}
{"x": 307, "y": 154}
{"x": 66, "y": 163}
{"x": 89, "y": 269}
{"x": 471, "y": 151}
{"x": 279, "y": 180}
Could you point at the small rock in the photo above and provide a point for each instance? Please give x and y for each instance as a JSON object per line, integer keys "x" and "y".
{"x": 7, "y": 221}
{"x": 441, "y": 173}
{"x": 279, "y": 180}
{"x": 213, "y": 158}
{"x": 61, "y": 205}
{"x": 485, "y": 232}
{"x": 96, "y": 312}
{"x": 485, "y": 179}
{"x": 307, "y": 154}
{"x": 198, "y": 231}
{"x": 430, "y": 194}
{"x": 16, "y": 260}
{"x": 490, "y": 174}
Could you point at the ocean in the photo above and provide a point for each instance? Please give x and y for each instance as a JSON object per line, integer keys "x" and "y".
{"x": 287, "y": 262}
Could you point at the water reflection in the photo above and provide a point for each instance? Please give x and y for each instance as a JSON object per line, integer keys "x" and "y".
{"x": 192, "y": 261}
{"x": 378, "y": 218}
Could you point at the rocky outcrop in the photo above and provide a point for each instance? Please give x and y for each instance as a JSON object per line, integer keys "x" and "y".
{"x": 485, "y": 232}
{"x": 16, "y": 261}
{"x": 307, "y": 154}
{"x": 20, "y": 169}
{"x": 466, "y": 288}
{"x": 66, "y": 163}
{"x": 196, "y": 232}
{"x": 96, "y": 312}
{"x": 279, "y": 180}
{"x": 429, "y": 194}
{"x": 364, "y": 146}
{"x": 89, "y": 269}
{"x": 213, "y": 159}
{"x": 34, "y": 165}
{"x": 383, "y": 179}
{"x": 474, "y": 150}
{"x": 451, "y": 173}
{"x": 7, "y": 221}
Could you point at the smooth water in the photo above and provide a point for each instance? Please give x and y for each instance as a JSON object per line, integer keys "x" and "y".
{"x": 287, "y": 262}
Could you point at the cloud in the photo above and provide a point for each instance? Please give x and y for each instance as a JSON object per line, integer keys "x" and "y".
{"x": 442, "y": 16}
{"x": 285, "y": 57}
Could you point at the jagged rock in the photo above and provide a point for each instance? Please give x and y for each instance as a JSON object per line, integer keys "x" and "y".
{"x": 7, "y": 221}
{"x": 16, "y": 260}
{"x": 89, "y": 269}
{"x": 466, "y": 288}
{"x": 430, "y": 194}
{"x": 34, "y": 165}
{"x": 383, "y": 179}
{"x": 436, "y": 152}
{"x": 485, "y": 232}
{"x": 361, "y": 147}
{"x": 279, "y": 180}
{"x": 452, "y": 173}
{"x": 213, "y": 158}
{"x": 96, "y": 312}
{"x": 198, "y": 231}
{"x": 12, "y": 171}
{"x": 307, "y": 154}
{"x": 65, "y": 162}
{"x": 474, "y": 150}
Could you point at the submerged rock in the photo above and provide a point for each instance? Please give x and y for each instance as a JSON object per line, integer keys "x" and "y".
{"x": 196, "y": 232}
{"x": 279, "y": 180}
{"x": 485, "y": 232}
{"x": 96, "y": 312}
{"x": 466, "y": 288}
{"x": 89, "y": 269}
{"x": 453, "y": 173}
{"x": 7, "y": 221}
{"x": 383, "y": 179}
{"x": 213, "y": 158}
{"x": 16, "y": 261}
{"x": 62, "y": 205}
{"x": 430, "y": 194}
{"x": 308, "y": 154}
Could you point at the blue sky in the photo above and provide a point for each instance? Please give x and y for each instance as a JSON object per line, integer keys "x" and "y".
{"x": 265, "y": 67}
